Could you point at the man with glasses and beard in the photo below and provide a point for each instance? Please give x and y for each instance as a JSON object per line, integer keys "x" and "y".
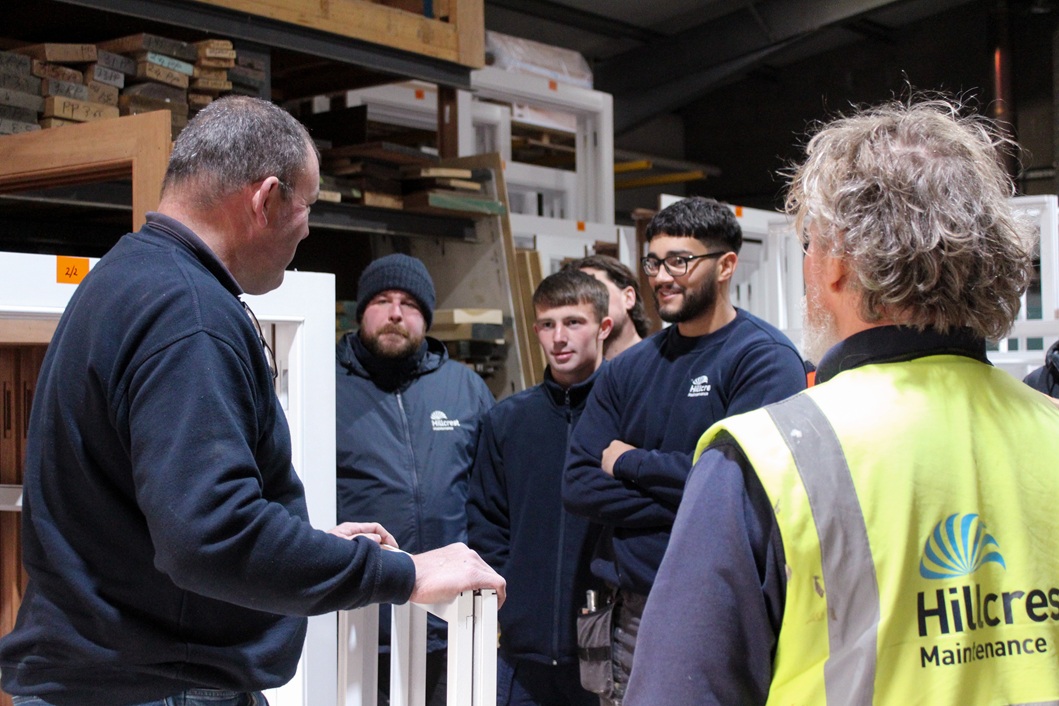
{"x": 631, "y": 453}
{"x": 407, "y": 428}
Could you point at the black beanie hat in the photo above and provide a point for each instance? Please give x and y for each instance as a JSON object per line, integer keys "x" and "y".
{"x": 397, "y": 271}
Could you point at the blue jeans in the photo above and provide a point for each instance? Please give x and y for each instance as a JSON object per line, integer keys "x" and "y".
{"x": 191, "y": 697}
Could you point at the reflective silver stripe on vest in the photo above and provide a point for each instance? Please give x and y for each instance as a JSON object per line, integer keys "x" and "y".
{"x": 852, "y": 593}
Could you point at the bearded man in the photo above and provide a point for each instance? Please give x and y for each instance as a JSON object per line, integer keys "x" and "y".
{"x": 631, "y": 453}
{"x": 407, "y": 428}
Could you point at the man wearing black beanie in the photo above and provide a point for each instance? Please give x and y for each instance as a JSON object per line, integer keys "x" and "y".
{"x": 407, "y": 427}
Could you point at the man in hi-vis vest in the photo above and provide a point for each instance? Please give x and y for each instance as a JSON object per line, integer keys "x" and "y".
{"x": 888, "y": 536}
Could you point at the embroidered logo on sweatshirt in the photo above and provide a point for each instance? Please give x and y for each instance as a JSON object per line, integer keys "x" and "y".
{"x": 700, "y": 387}
{"x": 440, "y": 421}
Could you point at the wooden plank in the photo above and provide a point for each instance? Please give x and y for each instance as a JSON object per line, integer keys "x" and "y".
{"x": 660, "y": 179}
{"x": 420, "y": 172}
{"x": 41, "y": 69}
{"x": 530, "y": 274}
{"x": 10, "y": 593}
{"x": 448, "y": 123}
{"x": 14, "y": 127}
{"x": 22, "y": 115}
{"x": 133, "y": 105}
{"x": 468, "y": 316}
{"x": 9, "y": 417}
{"x": 387, "y": 152}
{"x": 20, "y": 100}
{"x": 72, "y": 109}
{"x": 117, "y": 62}
{"x": 19, "y": 63}
{"x": 452, "y": 203}
{"x": 138, "y": 145}
{"x": 637, "y": 165}
{"x": 48, "y": 123}
{"x": 467, "y": 332}
{"x": 66, "y": 89}
{"x": 154, "y": 72}
{"x": 60, "y": 53}
{"x": 102, "y": 93}
{"x": 18, "y": 81}
{"x": 379, "y": 24}
{"x": 469, "y": 17}
{"x": 103, "y": 74}
{"x": 169, "y": 62}
{"x": 151, "y": 42}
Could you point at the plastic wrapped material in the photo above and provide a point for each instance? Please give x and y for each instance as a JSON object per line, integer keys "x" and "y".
{"x": 526, "y": 56}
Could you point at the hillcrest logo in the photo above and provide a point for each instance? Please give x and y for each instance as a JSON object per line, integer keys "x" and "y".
{"x": 439, "y": 421}
{"x": 700, "y": 387}
{"x": 958, "y": 546}
{"x": 964, "y": 620}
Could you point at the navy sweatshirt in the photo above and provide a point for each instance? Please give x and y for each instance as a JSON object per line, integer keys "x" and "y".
{"x": 518, "y": 525}
{"x": 164, "y": 530}
{"x": 660, "y": 396}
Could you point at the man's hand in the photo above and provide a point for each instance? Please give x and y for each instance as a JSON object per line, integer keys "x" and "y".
{"x": 372, "y": 530}
{"x": 442, "y": 574}
{"x": 611, "y": 454}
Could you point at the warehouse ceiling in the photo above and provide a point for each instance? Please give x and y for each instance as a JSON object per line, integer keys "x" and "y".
{"x": 658, "y": 56}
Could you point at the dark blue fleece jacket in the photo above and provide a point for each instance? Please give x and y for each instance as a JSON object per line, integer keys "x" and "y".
{"x": 406, "y": 432}
{"x": 165, "y": 531}
{"x": 660, "y": 396}
{"x": 518, "y": 524}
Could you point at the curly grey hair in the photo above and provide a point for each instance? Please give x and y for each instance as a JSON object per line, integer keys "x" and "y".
{"x": 916, "y": 200}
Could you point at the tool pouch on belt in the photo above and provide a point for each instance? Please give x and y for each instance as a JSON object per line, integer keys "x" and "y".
{"x": 593, "y": 650}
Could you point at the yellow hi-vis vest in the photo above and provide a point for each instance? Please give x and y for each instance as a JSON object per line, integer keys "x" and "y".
{"x": 917, "y": 503}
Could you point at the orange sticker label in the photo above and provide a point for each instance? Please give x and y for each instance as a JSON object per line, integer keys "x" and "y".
{"x": 420, "y": 94}
{"x": 70, "y": 270}
{"x": 738, "y": 211}
{"x": 581, "y": 225}
{"x": 553, "y": 85}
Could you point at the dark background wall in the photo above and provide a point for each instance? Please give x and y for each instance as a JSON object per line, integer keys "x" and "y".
{"x": 752, "y": 129}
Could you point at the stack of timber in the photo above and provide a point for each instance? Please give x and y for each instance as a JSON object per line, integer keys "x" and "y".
{"x": 20, "y": 98}
{"x": 474, "y": 337}
{"x": 72, "y": 85}
{"x": 449, "y": 191}
{"x": 209, "y": 77}
{"x": 163, "y": 72}
{"x": 369, "y": 173}
{"x": 249, "y": 76}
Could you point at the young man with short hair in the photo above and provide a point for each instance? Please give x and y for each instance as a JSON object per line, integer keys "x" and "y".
{"x": 516, "y": 517}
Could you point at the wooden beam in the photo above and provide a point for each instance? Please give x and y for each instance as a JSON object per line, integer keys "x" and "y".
{"x": 639, "y": 165}
{"x": 461, "y": 42}
{"x": 448, "y": 123}
{"x": 659, "y": 180}
{"x": 135, "y": 145}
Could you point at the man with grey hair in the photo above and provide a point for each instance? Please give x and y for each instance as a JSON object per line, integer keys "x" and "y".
{"x": 164, "y": 530}
{"x": 887, "y": 536}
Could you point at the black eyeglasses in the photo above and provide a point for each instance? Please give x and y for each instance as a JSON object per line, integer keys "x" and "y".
{"x": 676, "y": 265}
{"x": 269, "y": 355}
